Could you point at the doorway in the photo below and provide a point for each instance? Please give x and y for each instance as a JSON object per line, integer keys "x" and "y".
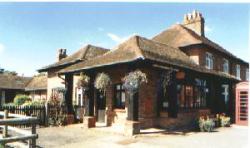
{"x": 101, "y": 106}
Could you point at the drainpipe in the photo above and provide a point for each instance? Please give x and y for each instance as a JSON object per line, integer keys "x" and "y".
{"x": 60, "y": 76}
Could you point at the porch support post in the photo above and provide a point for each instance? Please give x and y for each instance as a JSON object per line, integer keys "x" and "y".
{"x": 173, "y": 108}
{"x": 133, "y": 107}
{"x": 89, "y": 119}
{"x": 89, "y": 96}
{"x": 132, "y": 125}
{"x": 68, "y": 94}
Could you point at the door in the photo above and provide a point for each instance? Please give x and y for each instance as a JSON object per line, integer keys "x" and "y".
{"x": 242, "y": 107}
{"x": 101, "y": 106}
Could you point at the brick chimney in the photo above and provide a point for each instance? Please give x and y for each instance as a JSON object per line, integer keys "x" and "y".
{"x": 61, "y": 54}
{"x": 195, "y": 22}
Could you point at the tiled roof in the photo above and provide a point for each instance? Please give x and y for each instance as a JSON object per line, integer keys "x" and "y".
{"x": 8, "y": 81}
{"x": 180, "y": 36}
{"x": 140, "y": 48}
{"x": 84, "y": 53}
{"x": 38, "y": 82}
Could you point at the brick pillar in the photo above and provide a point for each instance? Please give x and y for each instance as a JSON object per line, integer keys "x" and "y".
{"x": 89, "y": 119}
{"x": 132, "y": 125}
{"x": 133, "y": 110}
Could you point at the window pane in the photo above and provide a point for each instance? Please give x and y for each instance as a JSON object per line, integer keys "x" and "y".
{"x": 123, "y": 97}
{"x": 118, "y": 87}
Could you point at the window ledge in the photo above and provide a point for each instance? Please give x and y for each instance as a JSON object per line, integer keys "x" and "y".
{"x": 120, "y": 110}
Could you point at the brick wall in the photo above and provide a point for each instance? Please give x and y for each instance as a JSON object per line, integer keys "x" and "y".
{"x": 201, "y": 50}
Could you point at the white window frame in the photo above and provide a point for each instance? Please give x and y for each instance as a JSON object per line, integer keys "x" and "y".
{"x": 238, "y": 71}
{"x": 247, "y": 74}
{"x": 209, "y": 61}
{"x": 225, "y": 65}
{"x": 79, "y": 94}
{"x": 225, "y": 92}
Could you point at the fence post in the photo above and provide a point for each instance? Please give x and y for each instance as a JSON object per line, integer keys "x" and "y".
{"x": 5, "y": 129}
{"x": 46, "y": 113}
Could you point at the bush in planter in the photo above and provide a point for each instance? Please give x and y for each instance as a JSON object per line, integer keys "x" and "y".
{"x": 224, "y": 120}
{"x": 21, "y": 99}
{"x": 206, "y": 124}
{"x": 217, "y": 120}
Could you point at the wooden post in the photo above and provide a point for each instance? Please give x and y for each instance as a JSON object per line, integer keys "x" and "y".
{"x": 68, "y": 94}
{"x": 46, "y": 114}
{"x": 5, "y": 130}
{"x": 33, "y": 140}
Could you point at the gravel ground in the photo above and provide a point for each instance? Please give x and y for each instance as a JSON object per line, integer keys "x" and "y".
{"x": 74, "y": 136}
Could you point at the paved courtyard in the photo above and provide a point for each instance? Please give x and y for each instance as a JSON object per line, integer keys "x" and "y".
{"x": 75, "y": 136}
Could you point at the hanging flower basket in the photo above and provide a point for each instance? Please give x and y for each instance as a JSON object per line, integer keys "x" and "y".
{"x": 102, "y": 81}
{"x": 166, "y": 80}
{"x": 133, "y": 80}
{"x": 83, "y": 81}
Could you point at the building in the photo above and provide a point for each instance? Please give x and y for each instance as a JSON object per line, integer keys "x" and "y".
{"x": 188, "y": 75}
{"x": 37, "y": 88}
{"x": 56, "y": 82}
{"x": 10, "y": 85}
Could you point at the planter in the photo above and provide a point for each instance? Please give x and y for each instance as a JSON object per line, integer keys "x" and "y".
{"x": 70, "y": 119}
{"x": 89, "y": 122}
{"x": 132, "y": 128}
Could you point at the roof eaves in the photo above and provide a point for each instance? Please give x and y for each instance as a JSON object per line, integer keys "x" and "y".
{"x": 55, "y": 66}
{"x": 97, "y": 66}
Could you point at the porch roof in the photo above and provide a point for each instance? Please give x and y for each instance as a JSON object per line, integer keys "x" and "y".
{"x": 88, "y": 51}
{"x": 140, "y": 48}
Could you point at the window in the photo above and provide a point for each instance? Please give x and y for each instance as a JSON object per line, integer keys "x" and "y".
{"x": 192, "y": 96}
{"x": 238, "y": 71}
{"x": 209, "y": 61}
{"x": 119, "y": 101}
{"x": 225, "y": 66}
{"x": 247, "y": 74}
{"x": 195, "y": 59}
{"x": 79, "y": 94}
{"x": 225, "y": 93}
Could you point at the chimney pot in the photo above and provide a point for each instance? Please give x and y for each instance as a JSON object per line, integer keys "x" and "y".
{"x": 62, "y": 53}
{"x": 195, "y": 22}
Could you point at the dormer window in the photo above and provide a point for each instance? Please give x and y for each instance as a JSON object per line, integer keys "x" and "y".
{"x": 225, "y": 66}
{"x": 209, "y": 61}
{"x": 238, "y": 71}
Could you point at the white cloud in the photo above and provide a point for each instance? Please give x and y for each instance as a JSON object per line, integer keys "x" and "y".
{"x": 119, "y": 39}
{"x": 1, "y": 48}
{"x": 208, "y": 29}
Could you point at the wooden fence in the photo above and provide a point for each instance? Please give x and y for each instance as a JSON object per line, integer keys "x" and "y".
{"x": 37, "y": 111}
{"x": 10, "y": 120}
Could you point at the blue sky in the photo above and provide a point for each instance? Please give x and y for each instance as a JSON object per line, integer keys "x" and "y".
{"x": 31, "y": 33}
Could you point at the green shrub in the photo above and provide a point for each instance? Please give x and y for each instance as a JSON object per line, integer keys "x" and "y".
{"x": 206, "y": 124}
{"x": 21, "y": 99}
{"x": 34, "y": 103}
